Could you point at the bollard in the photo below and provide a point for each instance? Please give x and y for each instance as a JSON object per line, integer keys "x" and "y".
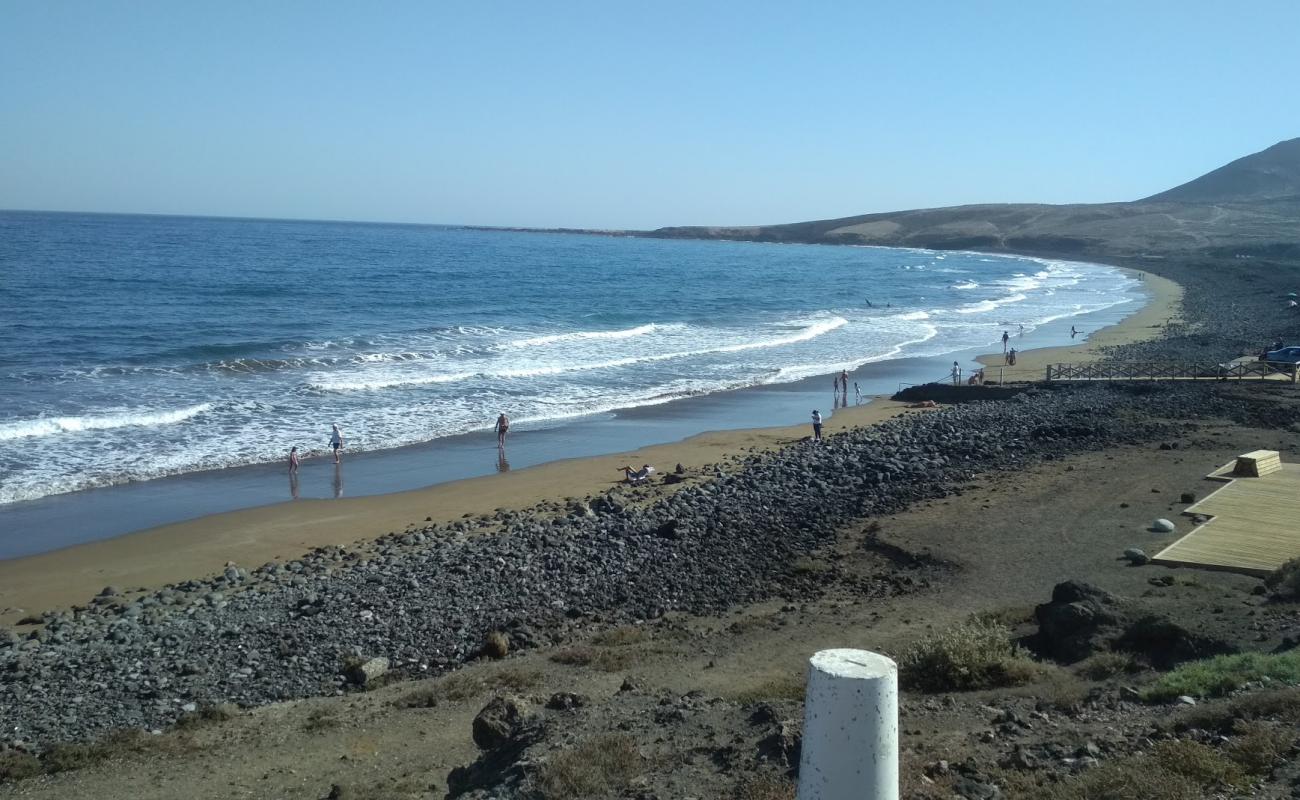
{"x": 850, "y": 729}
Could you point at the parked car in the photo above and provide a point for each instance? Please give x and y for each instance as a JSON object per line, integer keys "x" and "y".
{"x": 1287, "y": 355}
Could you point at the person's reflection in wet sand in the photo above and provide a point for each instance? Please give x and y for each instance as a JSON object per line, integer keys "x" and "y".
{"x": 293, "y": 485}
{"x": 338, "y": 480}
{"x": 502, "y": 464}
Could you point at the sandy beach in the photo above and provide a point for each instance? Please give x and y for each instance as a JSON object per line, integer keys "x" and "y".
{"x": 251, "y": 537}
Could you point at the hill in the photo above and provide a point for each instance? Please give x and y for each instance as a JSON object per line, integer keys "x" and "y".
{"x": 1251, "y": 205}
{"x": 1267, "y": 175}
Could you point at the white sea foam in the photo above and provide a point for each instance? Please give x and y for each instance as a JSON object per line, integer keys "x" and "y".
{"x": 577, "y": 336}
{"x": 51, "y": 426}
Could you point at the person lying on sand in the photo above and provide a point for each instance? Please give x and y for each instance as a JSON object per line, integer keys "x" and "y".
{"x": 635, "y": 476}
{"x": 922, "y": 404}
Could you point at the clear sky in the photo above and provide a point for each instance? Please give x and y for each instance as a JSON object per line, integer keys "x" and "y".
{"x": 620, "y": 114}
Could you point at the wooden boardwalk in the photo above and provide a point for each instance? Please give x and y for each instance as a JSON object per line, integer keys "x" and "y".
{"x": 1254, "y": 524}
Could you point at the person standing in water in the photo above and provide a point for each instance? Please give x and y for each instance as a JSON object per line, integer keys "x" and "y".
{"x": 503, "y": 426}
{"x": 857, "y": 393}
{"x": 817, "y": 425}
{"x": 844, "y": 382}
{"x": 336, "y": 441}
{"x": 1005, "y": 338}
{"x": 1073, "y": 332}
{"x": 293, "y": 460}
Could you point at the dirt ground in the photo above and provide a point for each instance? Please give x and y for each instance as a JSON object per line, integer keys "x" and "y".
{"x": 999, "y": 547}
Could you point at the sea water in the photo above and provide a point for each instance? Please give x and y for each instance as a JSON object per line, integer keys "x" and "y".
{"x": 136, "y": 347}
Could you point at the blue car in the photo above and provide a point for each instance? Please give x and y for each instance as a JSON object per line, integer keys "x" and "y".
{"x": 1287, "y": 355}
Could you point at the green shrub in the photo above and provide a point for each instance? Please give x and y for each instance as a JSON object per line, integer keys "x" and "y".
{"x": 977, "y": 654}
{"x": 1222, "y": 674}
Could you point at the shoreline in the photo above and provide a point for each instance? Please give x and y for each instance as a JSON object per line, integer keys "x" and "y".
{"x": 252, "y": 536}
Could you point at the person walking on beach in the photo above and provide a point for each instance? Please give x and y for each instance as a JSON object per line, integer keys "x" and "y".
{"x": 857, "y": 393}
{"x": 503, "y": 426}
{"x": 956, "y": 374}
{"x": 844, "y": 382}
{"x": 293, "y": 460}
{"x": 336, "y": 441}
{"x": 1005, "y": 338}
{"x": 817, "y": 425}
{"x": 1011, "y": 356}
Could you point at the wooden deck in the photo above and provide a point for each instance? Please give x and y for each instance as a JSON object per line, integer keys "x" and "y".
{"x": 1254, "y": 523}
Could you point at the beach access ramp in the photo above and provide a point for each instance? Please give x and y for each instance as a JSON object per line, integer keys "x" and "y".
{"x": 1254, "y": 518}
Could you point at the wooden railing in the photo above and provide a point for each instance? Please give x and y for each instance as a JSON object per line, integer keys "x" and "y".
{"x": 1166, "y": 371}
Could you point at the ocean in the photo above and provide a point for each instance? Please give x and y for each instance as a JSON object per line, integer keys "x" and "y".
{"x": 137, "y": 347}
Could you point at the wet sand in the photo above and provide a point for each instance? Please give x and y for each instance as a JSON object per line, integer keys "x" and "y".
{"x": 251, "y": 537}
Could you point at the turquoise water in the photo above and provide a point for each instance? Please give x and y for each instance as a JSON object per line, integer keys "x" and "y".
{"x": 140, "y": 347}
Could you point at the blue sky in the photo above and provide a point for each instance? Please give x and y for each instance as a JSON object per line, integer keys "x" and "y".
{"x": 611, "y": 114}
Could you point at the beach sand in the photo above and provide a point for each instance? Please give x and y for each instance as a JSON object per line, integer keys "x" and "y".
{"x": 251, "y": 537}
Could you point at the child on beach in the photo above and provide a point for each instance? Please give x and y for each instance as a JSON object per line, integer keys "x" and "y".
{"x": 817, "y": 425}
{"x": 293, "y": 459}
{"x": 857, "y": 393}
{"x": 336, "y": 441}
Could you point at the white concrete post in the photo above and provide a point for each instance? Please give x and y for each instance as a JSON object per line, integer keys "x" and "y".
{"x": 850, "y": 729}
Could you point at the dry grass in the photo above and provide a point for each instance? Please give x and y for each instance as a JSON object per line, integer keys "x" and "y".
{"x": 496, "y": 645}
{"x": 809, "y": 567}
{"x": 1103, "y": 666}
{"x": 1282, "y": 705}
{"x": 15, "y": 766}
{"x": 976, "y": 654}
{"x": 319, "y": 720}
{"x": 598, "y": 767}
{"x": 790, "y": 686}
{"x": 1258, "y": 748}
{"x": 620, "y": 637}
{"x": 1198, "y": 762}
{"x": 604, "y": 659}
{"x": 764, "y": 787}
{"x": 208, "y": 715}
{"x": 752, "y": 623}
{"x": 1285, "y": 580}
{"x": 468, "y": 684}
{"x": 116, "y": 746}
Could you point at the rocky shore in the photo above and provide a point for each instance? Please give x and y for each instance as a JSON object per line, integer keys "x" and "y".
{"x": 424, "y": 600}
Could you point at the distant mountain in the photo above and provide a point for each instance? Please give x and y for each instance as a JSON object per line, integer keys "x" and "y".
{"x": 1252, "y": 204}
{"x": 1270, "y": 174}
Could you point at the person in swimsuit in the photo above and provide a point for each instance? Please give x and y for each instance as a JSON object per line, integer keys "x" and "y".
{"x": 503, "y": 425}
{"x": 293, "y": 459}
{"x": 336, "y": 441}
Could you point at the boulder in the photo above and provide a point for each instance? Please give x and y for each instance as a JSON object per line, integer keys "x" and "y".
{"x": 1163, "y": 526}
{"x": 497, "y": 723}
{"x": 1078, "y": 621}
{"x": 1136, "y": 556}
{"x": 1165, "y": 644}
{"x": 365, "y": 672}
